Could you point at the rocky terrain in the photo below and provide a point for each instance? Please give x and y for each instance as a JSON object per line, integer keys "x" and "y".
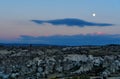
{"x": 58, "y": 62}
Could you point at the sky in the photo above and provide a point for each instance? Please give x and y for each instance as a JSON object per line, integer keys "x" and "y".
{"x": 60, "y": 22}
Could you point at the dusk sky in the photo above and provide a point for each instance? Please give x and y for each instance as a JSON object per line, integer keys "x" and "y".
{"x": 60, "y": 22}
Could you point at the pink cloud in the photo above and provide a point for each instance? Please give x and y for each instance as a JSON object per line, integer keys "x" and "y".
{"x": 99, "y": 33}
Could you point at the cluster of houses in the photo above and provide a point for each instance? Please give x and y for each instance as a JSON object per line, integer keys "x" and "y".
{"x": 57, "y": 65}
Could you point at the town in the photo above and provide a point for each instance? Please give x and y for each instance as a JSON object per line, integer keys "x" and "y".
{"x": 60, "y": 62}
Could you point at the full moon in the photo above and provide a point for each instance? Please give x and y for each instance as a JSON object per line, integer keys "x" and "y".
{"x": 93, "y": 14}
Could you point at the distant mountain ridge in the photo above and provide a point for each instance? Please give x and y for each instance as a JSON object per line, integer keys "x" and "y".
{"x": 21, "y": 44}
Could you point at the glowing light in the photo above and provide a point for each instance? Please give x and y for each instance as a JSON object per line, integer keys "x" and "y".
{"x": 94, "y": 14}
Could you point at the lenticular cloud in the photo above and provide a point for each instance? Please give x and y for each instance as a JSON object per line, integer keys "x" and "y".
{"x": 71, "y": 22}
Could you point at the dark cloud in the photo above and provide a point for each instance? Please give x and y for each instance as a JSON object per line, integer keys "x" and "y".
{"x": 73, "y": 40}
{"x": 71, "y": 22}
